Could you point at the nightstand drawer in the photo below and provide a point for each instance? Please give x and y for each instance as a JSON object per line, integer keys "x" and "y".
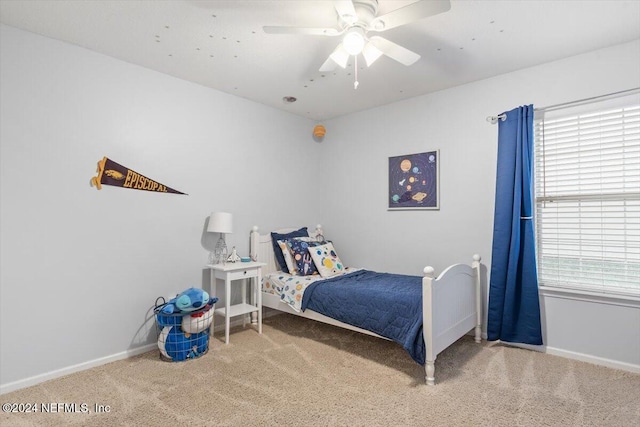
{"x": 243, "y": 274}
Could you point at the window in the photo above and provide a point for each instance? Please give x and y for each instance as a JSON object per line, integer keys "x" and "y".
{"x": 587, "y": 172}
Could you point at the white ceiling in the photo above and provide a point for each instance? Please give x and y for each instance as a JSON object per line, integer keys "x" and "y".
{"x": 221, "y": 44}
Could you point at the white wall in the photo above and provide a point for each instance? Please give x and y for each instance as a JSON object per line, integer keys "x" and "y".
{"x": 80, "y": 268}
{"x": 453, "y": 121}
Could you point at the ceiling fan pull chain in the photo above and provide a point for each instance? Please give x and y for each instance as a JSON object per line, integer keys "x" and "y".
{"x": 355, "y": 83}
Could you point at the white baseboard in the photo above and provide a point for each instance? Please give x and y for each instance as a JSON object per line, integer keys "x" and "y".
{"x": 37, "y": 379}
{"x": 609, "y": 363}
{"x": 615, "y": 364}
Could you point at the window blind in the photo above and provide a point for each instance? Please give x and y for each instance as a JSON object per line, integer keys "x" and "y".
{"x": 587, "y": 173}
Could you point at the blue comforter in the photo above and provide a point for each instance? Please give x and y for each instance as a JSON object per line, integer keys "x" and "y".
{"x": 388, "y": 304}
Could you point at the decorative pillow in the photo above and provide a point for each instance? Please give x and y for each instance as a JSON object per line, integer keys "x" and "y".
{"x": 288, "y": 259}
{"x": 301, "y": 256}
{"x": 276, "y": 249}
{"x": 326, "y": 260}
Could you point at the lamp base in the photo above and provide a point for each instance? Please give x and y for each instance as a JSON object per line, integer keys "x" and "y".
{"x": 220, "y": 252}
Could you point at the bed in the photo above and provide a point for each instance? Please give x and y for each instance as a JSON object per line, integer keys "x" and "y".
{"x": 449, "y": 307}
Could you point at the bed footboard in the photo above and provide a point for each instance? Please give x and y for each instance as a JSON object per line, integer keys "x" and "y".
{"x": 452, "y": 307}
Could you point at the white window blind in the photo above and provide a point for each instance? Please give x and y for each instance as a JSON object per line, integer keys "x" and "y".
{"x": 587, "y": 173}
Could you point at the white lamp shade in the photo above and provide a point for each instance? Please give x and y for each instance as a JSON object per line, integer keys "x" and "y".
{"x": 220, "y": 222}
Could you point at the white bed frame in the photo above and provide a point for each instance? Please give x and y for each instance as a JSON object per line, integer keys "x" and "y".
{"x": 451, "y": 302}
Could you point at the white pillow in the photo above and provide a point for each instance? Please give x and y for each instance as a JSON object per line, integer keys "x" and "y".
{"x": 326, "y": 260}
{"x": 288, "y": 259}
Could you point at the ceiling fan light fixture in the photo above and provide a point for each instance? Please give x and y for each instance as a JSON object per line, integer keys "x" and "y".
{"x": 353, "y": 41}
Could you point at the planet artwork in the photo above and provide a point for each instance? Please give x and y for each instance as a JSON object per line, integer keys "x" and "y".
{"x": 413, "y": 181}
{"x": 405, "y": 165}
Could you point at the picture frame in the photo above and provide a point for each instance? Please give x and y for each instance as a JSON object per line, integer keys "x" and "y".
{"x": 414, "y": 181}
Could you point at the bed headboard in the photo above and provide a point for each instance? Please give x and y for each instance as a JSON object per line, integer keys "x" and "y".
{"x": 261, "y": 248}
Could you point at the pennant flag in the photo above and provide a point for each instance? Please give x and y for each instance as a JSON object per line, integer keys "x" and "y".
{"x": 112, "y": 173}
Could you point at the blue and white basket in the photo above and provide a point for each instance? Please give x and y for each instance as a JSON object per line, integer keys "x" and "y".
{"x": 183, "y": 336}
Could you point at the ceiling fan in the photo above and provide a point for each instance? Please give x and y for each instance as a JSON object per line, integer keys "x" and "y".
{"x": 358, "y": 18}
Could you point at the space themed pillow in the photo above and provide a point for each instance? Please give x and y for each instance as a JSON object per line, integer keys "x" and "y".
{"x": 288, "y": 259}
{"x": 276, "y": 249}
{"x": 326, "y": 260}
{"x": 301, "y": 256}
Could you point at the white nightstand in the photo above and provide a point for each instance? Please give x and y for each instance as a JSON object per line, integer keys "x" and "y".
{"x": 230, "y": 272}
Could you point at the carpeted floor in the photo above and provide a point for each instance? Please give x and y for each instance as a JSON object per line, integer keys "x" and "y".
{"x": 304, "y": 373}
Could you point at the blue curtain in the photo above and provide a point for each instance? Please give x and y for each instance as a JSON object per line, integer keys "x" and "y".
{"x": 514, "y": 306}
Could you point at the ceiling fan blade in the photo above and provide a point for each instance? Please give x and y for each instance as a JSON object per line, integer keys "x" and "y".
{"x": 301, "y": 30}
{"x": 346, "y": 11}
{"x": 410, "y": 13}
{"x": 340, "y": 56}
{"x": 394, "y": 51}
{"x": 329, "y": 65}
{"x": 371, "y": 53}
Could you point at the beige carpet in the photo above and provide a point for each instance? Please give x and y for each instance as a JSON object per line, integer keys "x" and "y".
{"x": 303, "y": 373}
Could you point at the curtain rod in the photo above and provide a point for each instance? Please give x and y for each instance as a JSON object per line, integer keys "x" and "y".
{"x": 494, "y": 119}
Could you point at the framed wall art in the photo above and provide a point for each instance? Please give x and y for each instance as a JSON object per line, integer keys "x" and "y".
{"x": 414, "y": 181}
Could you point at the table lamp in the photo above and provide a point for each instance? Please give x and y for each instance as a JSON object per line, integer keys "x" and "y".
{"x": 220, "y": 222}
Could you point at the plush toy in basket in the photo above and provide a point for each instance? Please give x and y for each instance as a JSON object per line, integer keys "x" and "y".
{"x": 190, "y": 300}
{"x": 184, "y": 324}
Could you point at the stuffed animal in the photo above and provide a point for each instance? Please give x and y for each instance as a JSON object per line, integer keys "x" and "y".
{"x": 190, "y": 300}
{"x": 177, "y": 346}
{"x": 165, "y": 320}
{"x": 185, "y": 322}
{"x": 198, "y": 321}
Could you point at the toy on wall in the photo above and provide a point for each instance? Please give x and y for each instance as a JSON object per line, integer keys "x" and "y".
{"x": 184, "y": 324}
{"x": 319, "y": 131}
{"x": 112, "y": 173}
